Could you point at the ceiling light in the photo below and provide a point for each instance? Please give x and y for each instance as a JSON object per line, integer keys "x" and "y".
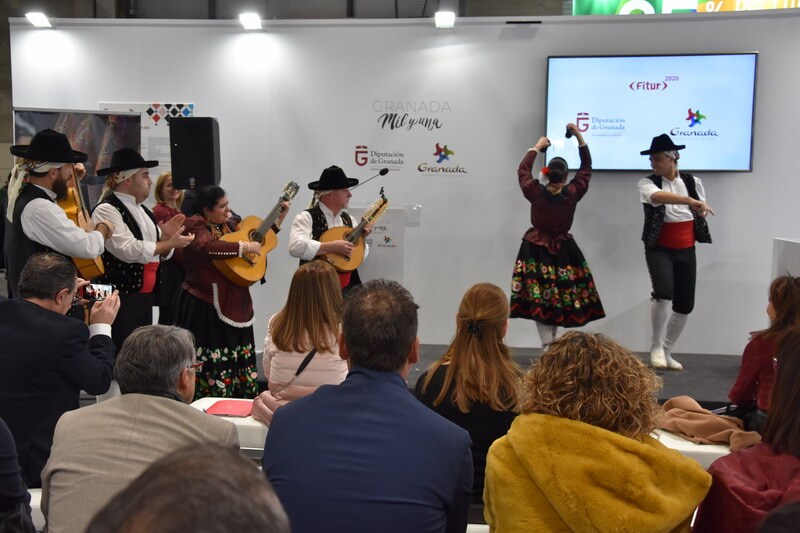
{"x": 38, "y": 19}
{"x": 250, "y": 21}
{"x": 444, "y": 19}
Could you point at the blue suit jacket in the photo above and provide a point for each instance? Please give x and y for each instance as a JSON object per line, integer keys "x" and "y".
{"x": 367, "y": 456}
{"x": 46, "y": 359}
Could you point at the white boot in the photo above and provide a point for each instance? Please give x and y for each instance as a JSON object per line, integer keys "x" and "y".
{"x": 658, "y": 317}
{"x": 674, "y": 328}
{"x": 547, "y": 333}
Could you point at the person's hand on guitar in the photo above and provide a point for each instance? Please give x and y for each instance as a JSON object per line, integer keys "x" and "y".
{"x": 80, "y": 171}
{"x": 172, "y": 226}
{"x": 251, "y": 248}
{"x": 105, "y": 227}
{"x": 284, "y": 211}
{"x": 368, "y": 229}
{"x": 340, "y": 247}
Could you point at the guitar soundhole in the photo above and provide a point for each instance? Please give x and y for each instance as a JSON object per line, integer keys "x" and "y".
{"x": 256, "y": 236}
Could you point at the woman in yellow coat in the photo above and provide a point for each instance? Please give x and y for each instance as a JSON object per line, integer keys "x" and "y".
{"x": 579, "y": 456}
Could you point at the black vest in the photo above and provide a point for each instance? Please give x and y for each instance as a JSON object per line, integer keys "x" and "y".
{"x": 126, "y": 277}
{"x": 319, "y": 225}
{"x": 654, "y": 216}
{"x": 18, "y": 247}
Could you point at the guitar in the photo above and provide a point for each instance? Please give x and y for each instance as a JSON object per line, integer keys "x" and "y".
{"x": 354, "y": 236}
{"x": 246, "y": 270}
{"x": 75, "y": 208}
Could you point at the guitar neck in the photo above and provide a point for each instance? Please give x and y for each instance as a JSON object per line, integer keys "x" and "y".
{"x": 354, "y": 235}
{"x": 270, "y": 218}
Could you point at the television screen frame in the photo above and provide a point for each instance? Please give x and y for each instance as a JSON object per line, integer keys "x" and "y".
{"x": 643, "y": 88}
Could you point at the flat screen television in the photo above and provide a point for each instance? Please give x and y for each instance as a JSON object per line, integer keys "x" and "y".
{"x": 703, "y": 101}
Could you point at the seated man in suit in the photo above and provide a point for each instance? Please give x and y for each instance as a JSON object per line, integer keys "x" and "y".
{"x": 195, "y": 488}
{"x": 47, "y": 358}
{"x": 99, "y": 449}
{"x": 366, "y": 455}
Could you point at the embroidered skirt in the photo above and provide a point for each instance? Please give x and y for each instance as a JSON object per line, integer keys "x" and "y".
{"x": 228, "y": 354}
{"x": 554, "y": 289}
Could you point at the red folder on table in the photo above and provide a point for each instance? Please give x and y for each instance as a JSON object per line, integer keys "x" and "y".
{"x": 238, "y": 408}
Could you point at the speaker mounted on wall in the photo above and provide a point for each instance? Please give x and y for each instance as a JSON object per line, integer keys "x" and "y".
{"x": 194, "y": 149}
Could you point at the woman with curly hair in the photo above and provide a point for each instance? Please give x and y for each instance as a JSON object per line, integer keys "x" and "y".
{"x": 310, "y": 320}
{"x": 579, "y": 456}
{"x": 749, "y": 483}
{"x": 552, "y": 284}
{"x": 475, "y": 383}
{"x": 753, "y": 385}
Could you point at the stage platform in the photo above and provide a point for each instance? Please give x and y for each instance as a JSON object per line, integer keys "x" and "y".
{"x": 706, "y": 378}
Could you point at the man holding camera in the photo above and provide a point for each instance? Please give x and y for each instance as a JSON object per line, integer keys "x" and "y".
{"x": 48, "y": 358}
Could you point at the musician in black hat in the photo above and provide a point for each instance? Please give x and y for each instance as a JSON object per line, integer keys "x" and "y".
{"x": 35, "y": 223}
{"x": 327, "y": 210}
{"x": 138, "y": 243}
{"x": 674, "y": 219}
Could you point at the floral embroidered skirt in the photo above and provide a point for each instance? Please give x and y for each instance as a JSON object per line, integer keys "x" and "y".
{"x": 554, "y": 289}
{"x": 228, "y": 354}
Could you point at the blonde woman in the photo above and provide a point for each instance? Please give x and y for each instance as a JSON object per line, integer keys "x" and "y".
{"x": 310, "y": 320}
{"x": 475, "y": 383}
{"x": 579, "y": 456}
{"x": 170, "y": 272}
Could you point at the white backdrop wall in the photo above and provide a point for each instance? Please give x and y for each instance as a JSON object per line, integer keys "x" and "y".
{"x": 301, "y": 96}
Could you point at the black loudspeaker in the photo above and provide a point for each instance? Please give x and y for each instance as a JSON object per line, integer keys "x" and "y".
{"x": 194, "y": 149}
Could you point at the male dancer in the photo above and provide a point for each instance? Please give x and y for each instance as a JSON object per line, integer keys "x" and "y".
{"x": 674, "y": 218}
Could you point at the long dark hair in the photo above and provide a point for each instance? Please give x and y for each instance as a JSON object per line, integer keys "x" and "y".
{"x": 782, "y": 429}
{"x": 784, "y": 295}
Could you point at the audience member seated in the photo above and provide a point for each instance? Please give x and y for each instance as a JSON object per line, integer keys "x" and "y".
{"x": 579, "y": 456}
{"x": 199, "y": 488}
{"x": 15, "y": 509}
{"x": 48, "y": 358}
{"x": 475, "y": 383}
{"x": 749, "y": 483}
{"x": 366, "y": 455}
{"x": 753, "y": 386}
{"x": 310, "y": 320}
{"x": 783, "y": 519}
{"x": 99, "y": 449}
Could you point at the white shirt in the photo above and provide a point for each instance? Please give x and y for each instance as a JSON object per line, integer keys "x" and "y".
{"x": 46, "y": 223}
{"x": 301, "y": 245}
{"x": 122, "y": 244}
{"x": 674, "y": 212}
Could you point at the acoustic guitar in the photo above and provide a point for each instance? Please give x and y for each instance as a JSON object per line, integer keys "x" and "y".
{"x": 75, "y": 208}
{"x": 354, "y": 236}
{"x": 246, "y": 270}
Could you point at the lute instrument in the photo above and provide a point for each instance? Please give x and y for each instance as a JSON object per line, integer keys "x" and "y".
{"x": 75, "y": 209}
{"x": 246, "y": 270}
{"x": 355, "y": 236}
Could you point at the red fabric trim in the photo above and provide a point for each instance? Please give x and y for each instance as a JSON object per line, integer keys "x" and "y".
{"x": 149, "y": 277}
{"x": 677, "y": 235}
{"x": 590, "y": 315}
{"x": 344, "y": 279}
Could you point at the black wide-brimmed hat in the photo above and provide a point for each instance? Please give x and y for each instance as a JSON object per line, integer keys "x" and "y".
{"x": 332, "y": 179}
{"x": 662, "y": 143}
{"x": 126, "y": 159}
{"x": 50, "y": 147}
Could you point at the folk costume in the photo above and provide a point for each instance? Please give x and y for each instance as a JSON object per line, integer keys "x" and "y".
{"x": 35, "y": 223}
{"x": 552, "y": 283}
{"x": 309, "y": 225}
{"x": 170, "y": 272}
{"x": 218, "y": 312}
{"x": 131, "y": 263}
{"x": 669, "y": 234}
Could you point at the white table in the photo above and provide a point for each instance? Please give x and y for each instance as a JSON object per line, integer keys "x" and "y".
{"x": 705, "y": 454}
{"x": 252, "y": 433}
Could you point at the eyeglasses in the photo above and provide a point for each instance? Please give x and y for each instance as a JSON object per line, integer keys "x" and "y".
{"x": 196, "y": 366}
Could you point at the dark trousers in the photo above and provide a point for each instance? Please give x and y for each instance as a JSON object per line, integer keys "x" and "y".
{"x": 673, "y": 274}
{"x": 134, "y": 310}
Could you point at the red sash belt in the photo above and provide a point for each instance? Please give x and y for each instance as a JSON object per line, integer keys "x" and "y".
{"x": 344, "y": 279}
{"x": 149, "y": 277}
{"x": 677, "y": 235}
